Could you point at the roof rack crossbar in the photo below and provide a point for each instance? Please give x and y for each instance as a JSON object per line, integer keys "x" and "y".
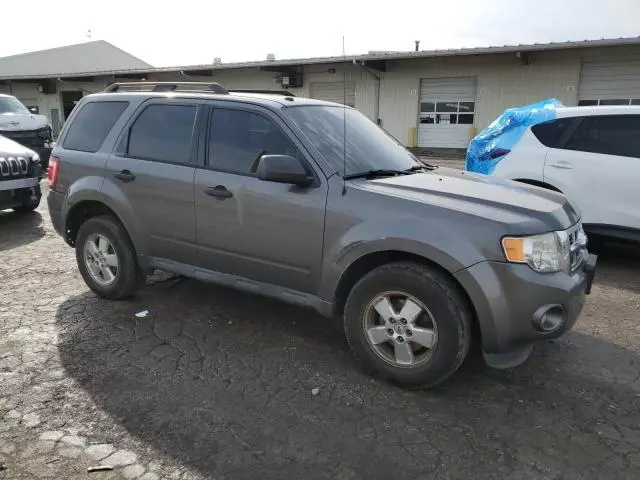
{"x": 284, "y": 93}
{"x": 168, "y": 86}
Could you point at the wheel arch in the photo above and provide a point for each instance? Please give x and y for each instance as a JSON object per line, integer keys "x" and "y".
{"x": 84, "y": 210}
{"x": 370, "y": 261}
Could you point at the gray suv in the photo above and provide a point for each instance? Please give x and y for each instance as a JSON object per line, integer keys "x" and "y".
{"x": 312, "y": 203}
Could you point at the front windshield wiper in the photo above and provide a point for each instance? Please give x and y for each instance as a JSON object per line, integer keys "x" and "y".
{"x": 424, "y": 166}
{"x": 378, "y": 173}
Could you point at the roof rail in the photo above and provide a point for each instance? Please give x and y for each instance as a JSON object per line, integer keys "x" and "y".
{"x": 204, "y": 87}
{"x": 269, "y": 92}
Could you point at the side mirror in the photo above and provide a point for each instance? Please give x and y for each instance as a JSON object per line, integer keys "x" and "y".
{"x": 283, "y": 169}
{"x": 34, "y": 110}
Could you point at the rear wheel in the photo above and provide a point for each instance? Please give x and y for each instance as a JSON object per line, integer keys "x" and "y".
{"x": 106, "y": 258}
{"x": 408, "y": 324}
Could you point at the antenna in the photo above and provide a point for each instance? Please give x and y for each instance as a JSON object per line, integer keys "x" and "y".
{"x": 344, "y": 119}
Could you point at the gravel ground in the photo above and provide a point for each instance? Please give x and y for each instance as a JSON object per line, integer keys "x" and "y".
{"x": 223, "y": 385}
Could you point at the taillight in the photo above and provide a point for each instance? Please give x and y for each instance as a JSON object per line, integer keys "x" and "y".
{"x": 52, "y": 173}
{"x": 498, "y": 152}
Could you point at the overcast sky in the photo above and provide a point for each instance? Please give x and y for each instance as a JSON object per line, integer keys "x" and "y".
{"x": 249, "y": 29}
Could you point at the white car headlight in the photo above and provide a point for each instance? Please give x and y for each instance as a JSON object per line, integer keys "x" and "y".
{"x": 545, "y": 253}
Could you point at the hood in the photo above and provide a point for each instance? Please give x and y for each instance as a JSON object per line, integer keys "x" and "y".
{"x": 10, "y": 148}
{"x": 532, "y": 209}
{"x": 12, "y": 122}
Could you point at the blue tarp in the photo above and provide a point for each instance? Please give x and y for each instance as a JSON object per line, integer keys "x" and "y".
{"x": 504, "y": 132}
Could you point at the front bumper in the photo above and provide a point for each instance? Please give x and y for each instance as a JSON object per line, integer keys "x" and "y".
{"x": 508, "y": 296}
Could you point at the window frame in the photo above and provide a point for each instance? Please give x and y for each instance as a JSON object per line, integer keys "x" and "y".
{"x": 266, "y": 113}
{"x": 436, "y": 113}
{"x": 122, "y": 149}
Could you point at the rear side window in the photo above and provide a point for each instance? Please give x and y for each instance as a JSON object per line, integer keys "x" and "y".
{"x": 163, "y": 133}
{"x": 610, "y": 135}
{"x": 550, "y": 134}
{"x": 92, "y": 124}
{"x": 237, "y": 139}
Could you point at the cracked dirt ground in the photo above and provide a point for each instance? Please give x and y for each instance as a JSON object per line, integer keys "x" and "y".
{"x": 218, "y": 384}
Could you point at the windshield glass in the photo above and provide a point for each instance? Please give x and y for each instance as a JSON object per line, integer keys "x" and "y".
{"x": 368, "y": 146}
{"x": 12, "y": 105}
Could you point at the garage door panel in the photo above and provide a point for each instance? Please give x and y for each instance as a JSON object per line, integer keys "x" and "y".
{"x": 335, "y": 92}
{"x": 610, "y": 79}
{"x": 447, "y": 112}
{"x": 444, "y": 136}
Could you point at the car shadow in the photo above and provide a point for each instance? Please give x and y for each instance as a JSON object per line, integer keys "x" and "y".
{"x": 619, "y": 266}
{"x": 17, "y": 229}
{"x": 225, "y": 383}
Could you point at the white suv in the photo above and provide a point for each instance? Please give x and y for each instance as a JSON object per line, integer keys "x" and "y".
{"x": 592, "y": 155}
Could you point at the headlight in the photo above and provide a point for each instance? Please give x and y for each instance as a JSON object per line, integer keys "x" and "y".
{"x": 545, "y": 253}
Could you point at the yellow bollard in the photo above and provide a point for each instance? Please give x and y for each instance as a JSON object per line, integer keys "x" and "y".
{"x": 412, "y": 137}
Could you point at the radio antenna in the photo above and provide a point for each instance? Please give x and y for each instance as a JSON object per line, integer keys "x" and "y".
{"x": 344, "y": 119}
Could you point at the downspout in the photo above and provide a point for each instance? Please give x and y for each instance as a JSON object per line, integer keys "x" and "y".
{"x": 376, "y": 111}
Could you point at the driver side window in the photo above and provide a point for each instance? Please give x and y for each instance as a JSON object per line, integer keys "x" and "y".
{"x": 237, "y": 139}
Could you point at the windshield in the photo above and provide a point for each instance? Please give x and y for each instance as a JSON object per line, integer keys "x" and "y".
{"x": 368, "y": 146}
{"x": 12, "y": 105}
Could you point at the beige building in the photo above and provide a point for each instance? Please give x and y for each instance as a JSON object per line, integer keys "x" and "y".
{"x": 430, "y": 99}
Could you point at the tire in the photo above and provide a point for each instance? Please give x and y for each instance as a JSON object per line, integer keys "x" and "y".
{"x": 31, "y": 205}
{"x": 446, "y": 313}
{"x": 127, "y": 276}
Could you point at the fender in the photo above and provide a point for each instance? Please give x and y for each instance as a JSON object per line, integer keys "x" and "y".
{"x": 439, "y": 244}
{"x": 114, "y": 198}
{"x": 97, "y": 189}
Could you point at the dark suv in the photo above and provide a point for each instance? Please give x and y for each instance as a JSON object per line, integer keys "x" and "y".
{"x": 311, "y": 203}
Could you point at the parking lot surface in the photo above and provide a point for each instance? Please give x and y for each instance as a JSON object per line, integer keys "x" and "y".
{"x": 218, "y": 384}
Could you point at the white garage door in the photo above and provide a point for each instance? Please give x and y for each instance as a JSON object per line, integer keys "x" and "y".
{"x": 610, "y": 82}
{"x": 447, "y": 111}
{"x": 334, "y": 92}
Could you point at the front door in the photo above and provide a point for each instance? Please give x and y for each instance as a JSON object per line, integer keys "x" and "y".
{"x": 154, "y": 170}
{"x": 598, "y": 167}
{"x": 265, "y": 231}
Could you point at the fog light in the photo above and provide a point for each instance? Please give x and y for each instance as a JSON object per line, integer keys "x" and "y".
{"x": 549, "y": 318}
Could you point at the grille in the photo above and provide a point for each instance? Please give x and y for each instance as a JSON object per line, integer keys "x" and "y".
{"x": 28, "y": 138}
{"x": 13, "y": 167}
{"x": 577, "y": 245}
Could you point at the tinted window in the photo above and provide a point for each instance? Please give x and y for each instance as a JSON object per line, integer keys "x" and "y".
{"x": 92, "y": 124}
{"x": 163, "y": 133}
{"x": 611, "y": 135}
{"x": 237, "y": 139}
{"x": 550, "y": 133}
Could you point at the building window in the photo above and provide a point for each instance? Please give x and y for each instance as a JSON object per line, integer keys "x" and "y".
{"x": 447, "y": 113}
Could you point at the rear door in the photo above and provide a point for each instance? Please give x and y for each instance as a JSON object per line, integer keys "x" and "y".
{"x": 265, "y": 231}
{"x": 598, "y": 167}
{"x": 154, "y": 168}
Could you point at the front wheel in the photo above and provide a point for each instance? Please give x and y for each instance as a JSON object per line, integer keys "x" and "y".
{"x": 107, "y": 259}
{"x": 408, "y": 324}
{"x": 30, "y": 201}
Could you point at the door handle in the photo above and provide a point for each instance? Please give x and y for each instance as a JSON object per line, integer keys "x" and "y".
{"x": 219, "y": 191}
{"x": 562, "y": 164}
{"x": 125, "y": 176}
